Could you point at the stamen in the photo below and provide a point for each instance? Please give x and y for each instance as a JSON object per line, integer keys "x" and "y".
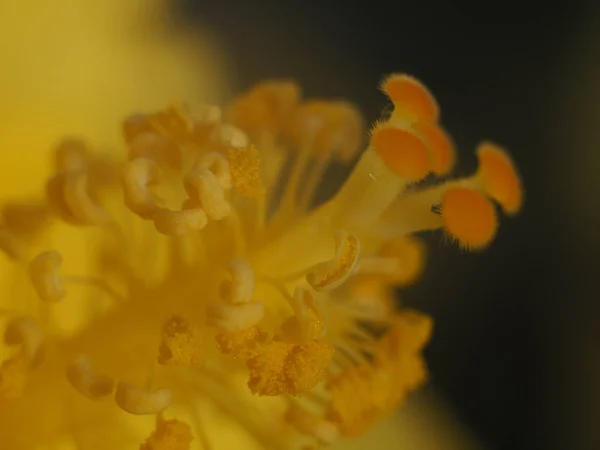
{"x": 27, "y": 333}
{"x": 333, "y": 273}
{"x": 179, "y": 223}
{"x": 67, "y": 193}
{"x": 82, "y": 377}
{"x": 228, "y": 136}
{"x": 400, "y": 261}
{"x": 137, "y": 401}
{"x": 262, "y": 111}
{"x": 158, "y": 148}
{"x": 233, "y": 318}
{"x": 139, "y": 175}
{"x": 24, "y": 218}
{"x": 11, "y": 245}
{"x": 135, "y": 125}
{"x": 171, "y": 122}
{"x": 218, "y": 164}
{"x": 71, "y": 154}
{"x": 93, "y": 282}
{"x": 293, "y": 369}
{"x": 241, "y": 344}
{"x": 205, "y": 119}
{"x": 45, "y": 277}
{"x": 240, "y": 287}
{"x": 307, "y": 323}
{"x": 204, "y": 188}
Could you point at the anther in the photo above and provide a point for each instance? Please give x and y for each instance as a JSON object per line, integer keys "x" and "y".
{"x": 135, "y": 400}
{"x": 67, "y": 193}
{"x": 203, "y": 187}
{"x": 244, "y": 164}
{"x": 159, "y": 148}
{"x": 91, "y": 385}
{"x": 180, "y": 344}
{"x": 179, "y": 223}
{"x": 27, "y": 333}
{"x": 231, "y": 318}
{"x": 331, "y": 274}
{"x": 218, "y": 164}
{"x": 169, "y": 435}
{"x": 230, "y": 137}
{"x": 24, "y": 218}
{"x": 138, "y": 176}
{"x": 307, "y": 322}
{"x": 11, "y": 245}
{"x": 71, "y": 154}
{"x": 45, "y": 277}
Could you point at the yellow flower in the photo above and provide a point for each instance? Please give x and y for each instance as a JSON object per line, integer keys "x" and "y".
{"x": 209, "y": 299}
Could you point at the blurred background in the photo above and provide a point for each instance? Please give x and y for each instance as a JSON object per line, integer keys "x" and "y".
{"x": 515, "y": 353}
{"x": 515, "y": 359}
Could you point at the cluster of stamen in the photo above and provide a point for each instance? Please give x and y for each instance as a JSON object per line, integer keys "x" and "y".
{"x": 296, "y": 297}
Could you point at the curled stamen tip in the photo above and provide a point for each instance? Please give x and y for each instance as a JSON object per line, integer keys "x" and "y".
{"x": 135, "y": 400}
{"x": 402, "y": 150}
{"x": 332, "y": 274}
{"x": 499, "y": 177}
{"x": 204, "y": 187}
{"x": 469, "y": 217}
{"x": 27, "y": 333}
{"x": 134, "y": 125}
{"x": 411, "y": 98}
{"x": 232, "y": 318}
{"x": 218, "y": 164}
{"x": 152, "y": 145}
{"x": 69, "y": 196}
{"x": 24, "y": 218}
{"x": 91, "y": 385}
{"x": 45, "y": 277}
{"x": 179, "y": 223}
{"x": 71, "y": 154}
{"x": 138, "y": 175}
{"x": 11, "y": 245}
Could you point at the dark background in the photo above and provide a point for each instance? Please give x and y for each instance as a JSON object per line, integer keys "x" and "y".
{"x": 516, "y": 325}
